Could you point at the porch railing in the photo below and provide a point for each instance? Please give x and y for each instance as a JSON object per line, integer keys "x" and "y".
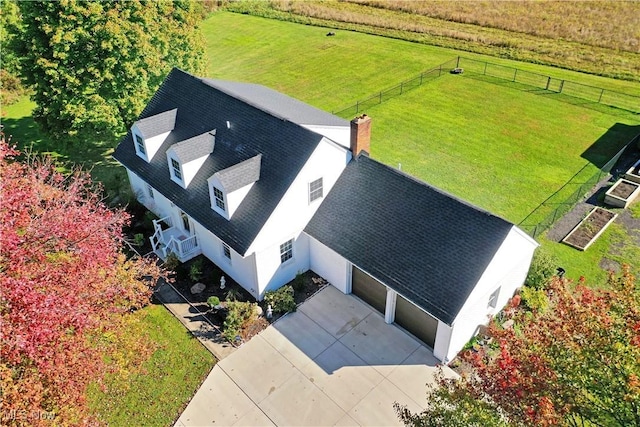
{"x": 182, "y": 248}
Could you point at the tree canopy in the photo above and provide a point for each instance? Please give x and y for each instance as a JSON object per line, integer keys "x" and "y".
{"x": 94, "y": 65}
{"x": 575, "y": 363}
{"x": 65, "y": 289}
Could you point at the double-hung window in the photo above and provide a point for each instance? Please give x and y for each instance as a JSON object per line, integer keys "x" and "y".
{"x": 315, "y": 190}
{"x": 150, "y": 191}
{"x": 219, "y": 198}
{"x": 226, "y": 251}
{"x": 176, "y": 169}
{"x": 140, "y": 144}
{"x": 286, "y": 251}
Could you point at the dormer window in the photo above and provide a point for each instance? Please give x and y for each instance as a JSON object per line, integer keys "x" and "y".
{"x": 175, "y": 170}
{"x": 219, "y": 198}
{"x": 140, "y": 145}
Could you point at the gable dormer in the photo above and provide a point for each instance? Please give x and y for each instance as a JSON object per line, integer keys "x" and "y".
{"x": 228, "y": 187}
{"x": 149, "y": 133}
{"x": 186, "y": 157}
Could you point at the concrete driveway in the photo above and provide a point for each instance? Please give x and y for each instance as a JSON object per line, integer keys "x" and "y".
{"x": 333, "y": 362}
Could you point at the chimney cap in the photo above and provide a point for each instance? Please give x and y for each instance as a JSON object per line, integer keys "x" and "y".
{"x": 361, "y": 118}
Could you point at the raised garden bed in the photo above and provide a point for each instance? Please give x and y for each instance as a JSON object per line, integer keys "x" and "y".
{"x": 633, "y": 174}
{"x": 590, "y": 228}
{"x": 622, "y": 193}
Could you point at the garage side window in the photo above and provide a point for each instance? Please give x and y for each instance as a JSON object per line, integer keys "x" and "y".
{"x": 286, "y": 251}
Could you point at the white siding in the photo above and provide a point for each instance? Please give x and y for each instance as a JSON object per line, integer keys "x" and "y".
{"x": 328, "y": 264}
{"x": 507, "y": 271}
{"x": 291, "y": 216}
{"x": 339, "y": 134}
{"x": 240, "y": 269}
{"x": 272, "y": 273}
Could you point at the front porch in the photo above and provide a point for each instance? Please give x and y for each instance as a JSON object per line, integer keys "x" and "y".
{"x": 171, "y": 239}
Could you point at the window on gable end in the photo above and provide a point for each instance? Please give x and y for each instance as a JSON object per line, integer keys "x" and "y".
{"x": 140, "y": 144}
{"x": 493, "y": 299}
{"x": 286, "y": 251}
{"x": 218, "y": 195}
{"x": 315, "y": 190}
{"x": 175, "y": 166}
{"x": 226, "y": 251}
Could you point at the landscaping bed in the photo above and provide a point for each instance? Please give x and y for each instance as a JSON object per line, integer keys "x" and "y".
{"x": 588, "y": 230}
{"x": 253, "y": 314}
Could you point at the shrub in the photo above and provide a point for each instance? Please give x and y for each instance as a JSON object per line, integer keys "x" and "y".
{"x": 534, "y": 299}
{"x": 195, "y": 271}
{"x": 232, "y": 294}
{"x": 238, "y": 315}
{"x": 298, "y": 282}
{"x": 282, "y": 300}
{"x": 148, "y": 220}
{"x": 138, "y": 239}
{"x": 172, "y": 262}
{"x": 543, "y": 267}
{"x": 213, "y": 301}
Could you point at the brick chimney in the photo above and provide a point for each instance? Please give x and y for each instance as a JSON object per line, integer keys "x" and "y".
{"x": 361, "y": 135}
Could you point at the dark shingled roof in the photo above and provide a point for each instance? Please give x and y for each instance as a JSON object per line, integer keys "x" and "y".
{"x": 285, "y": 148}
{"x": 276, "y": 103}
{"x": 237, "y": 176}
{"x": 157, "y": 124}
{"x": 195, "y": 148}
{"x": 427, "y": 245}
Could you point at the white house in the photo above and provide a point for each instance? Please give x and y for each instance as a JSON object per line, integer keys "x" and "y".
{"x": 266, "y": 187}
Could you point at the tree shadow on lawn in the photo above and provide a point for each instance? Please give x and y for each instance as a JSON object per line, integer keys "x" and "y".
{"x": 91, "y": 155}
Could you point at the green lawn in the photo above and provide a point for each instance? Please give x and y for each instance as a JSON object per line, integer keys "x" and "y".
{"x": 501, "y": 148}
{"x": 158, "y": 393}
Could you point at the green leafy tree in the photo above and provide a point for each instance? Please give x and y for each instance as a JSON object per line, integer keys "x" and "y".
{"x": 576, "y": 364}
{"x": 94, "y": 65}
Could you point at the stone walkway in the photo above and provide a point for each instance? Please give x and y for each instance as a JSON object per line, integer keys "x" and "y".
{"x": 194, "y": 321}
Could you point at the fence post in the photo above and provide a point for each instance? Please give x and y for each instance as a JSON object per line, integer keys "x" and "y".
{"x": 514, "y": 74}
{"x": 458, "y": 62}
{"x": 380, "y": 98}
{"x": 600, "y": 98}
{"x": 561, "y": 86}
{"x": 422, "y": 75}
{"x": 485, "y": 69}
{"x": 548, "y": 82}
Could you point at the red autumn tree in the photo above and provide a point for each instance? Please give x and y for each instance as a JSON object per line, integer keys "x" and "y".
{"x": 577, "y": 363}
{"x": 64, "y": 283}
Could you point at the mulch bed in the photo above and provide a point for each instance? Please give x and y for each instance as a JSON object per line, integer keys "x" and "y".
{"x": 581, "y": 236}
{"x": 310, "y": 283}
{"x": 307, "y": 283}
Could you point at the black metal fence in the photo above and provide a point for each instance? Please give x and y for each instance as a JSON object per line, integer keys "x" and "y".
{"x": 569, "y": 88}
{"x": 558, "y": 204}
{"x": 397, "y": 90}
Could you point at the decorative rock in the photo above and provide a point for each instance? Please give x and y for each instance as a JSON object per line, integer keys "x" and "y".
{"x": 258, "y": 310}
{"x": 198, "y": 288}
{"x": 508, "y": 324}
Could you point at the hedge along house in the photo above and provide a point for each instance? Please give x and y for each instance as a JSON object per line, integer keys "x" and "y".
{"x": 266, "y": 186}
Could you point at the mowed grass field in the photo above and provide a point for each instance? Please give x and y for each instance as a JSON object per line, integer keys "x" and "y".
{"x": 501, "y": 148}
